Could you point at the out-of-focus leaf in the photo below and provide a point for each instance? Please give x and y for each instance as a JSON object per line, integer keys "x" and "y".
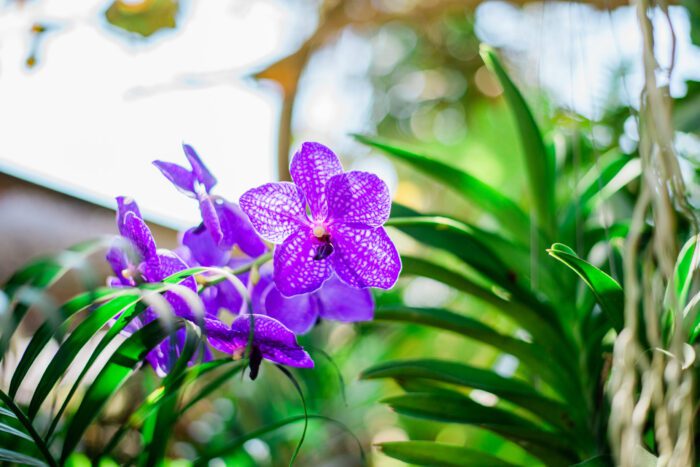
{"x": 552, "y": 447}
{"x": 5, "y": 428}
{"x": 543, "y": 363}
{"x": 144, "y": 17}
{"x": 607, "y": 176}
{"x": 606, "y": 289}
{"x": 29, "y": 429}
{"x": 8, "y": 455}
{"x": 455, "y": 237}
{"x": 430, "y": 453}
{"x": 540, "y": 322}
{"x": 39, "y": 275}
{"x": 236, "y": 443}
{"x": 539, "y": 162}
{"x": 510, "y": 389}
{"x": 471, "y": 188}
{"x": 47, "y": 330}
{"x": 597, "y": 461}
{"x": 121, "y": 364}
{"x": 684, "y": 272}
{"x": 155, "y": 442}
{"x": 76, "y": 340}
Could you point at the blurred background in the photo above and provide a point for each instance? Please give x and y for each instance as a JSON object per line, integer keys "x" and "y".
{"x": 92, "y": 91}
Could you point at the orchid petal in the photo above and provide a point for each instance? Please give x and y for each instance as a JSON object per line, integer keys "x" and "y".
{"x": 200, "y": 171}
{"x": 364, "y": 257}
{"x": 311, "y": 168}
{"x": 237, "y": 230}
{"x": 295, "y": 269}
{"x": 276, "y": 210}
{"x": 341, "y": 302}
{"x": 358, "y": 197}
{"x": 182, "y": 178}
{"x": 299, "y": 313}
{"x": 211, "y": 218}
{"x": 203, "y": 248}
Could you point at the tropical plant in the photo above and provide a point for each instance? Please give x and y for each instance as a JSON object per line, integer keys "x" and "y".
{"x": 554, "y": 407}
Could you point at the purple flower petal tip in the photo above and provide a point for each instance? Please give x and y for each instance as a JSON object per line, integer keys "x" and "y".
{"x": 200, "y": 171}
{"x": 182, "y": 178}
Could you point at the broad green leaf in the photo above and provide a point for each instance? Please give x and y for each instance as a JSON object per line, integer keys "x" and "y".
{"x": 8, "y": 455}
{"x": 121, "y": 364}
{"x": 540, "y": 322}
{"x": 514, "y": 390}
{"x": 551, "y": 447}
{"x": 471, "y": 188}
{"x": 539, "y": 162}
{"x": 454, "y": 237}
{"x": 607, "y": 291}
{"x": 431, "y": 453}
{"x": 533, "y": 356}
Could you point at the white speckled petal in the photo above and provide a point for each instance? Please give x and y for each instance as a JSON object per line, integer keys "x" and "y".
{"x": 364, "y": 257}
{"x": 296, "y": 270}
{"x": 358, "y": 197}
{"x": 311, "y": 168}
{"x": 276, "y": 210}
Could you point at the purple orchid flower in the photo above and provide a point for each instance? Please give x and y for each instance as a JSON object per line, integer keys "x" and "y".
{"x": 138, "y": 261}
{"x": 223, "y": 221}
{"x": 334, "y": 300}
{"x": 343, "y": 233}
{"x": 272, "y": 341}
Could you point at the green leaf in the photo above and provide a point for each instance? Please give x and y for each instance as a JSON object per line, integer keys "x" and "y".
{"x": 541, "y": 321}
{"x": 607, "y": 176}
{"x": 47, "y": 330}
{"x": 533, "y": 356}
{"x": 18, "y": 458}
{"x": 156, "y": 442}
{"x": 121, "y": 364}
{"x": 454, "y": 237}
{"x": 490, "y": 200}
{"x": 514, "y": 390}
{"x": 29, "y": 429}
{"x": 551, "y": 447}
{"x": 75, "y": 342}
{"x": 539, "y": 162}
{"x": 684, "y": 272}
{"x": 431, "y": 453}
{"x": 607, "y": 291}
{"x": 236, "y": 443}
{"x": 154, "y": 400}
{"x": 5, "y": 428}
{"x": 36, "y": 277}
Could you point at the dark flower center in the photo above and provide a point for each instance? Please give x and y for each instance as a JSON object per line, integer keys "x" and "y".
{"x": 325, "y": 249}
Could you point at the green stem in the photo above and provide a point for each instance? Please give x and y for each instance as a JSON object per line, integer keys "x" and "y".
{"x": 240, "y": 270}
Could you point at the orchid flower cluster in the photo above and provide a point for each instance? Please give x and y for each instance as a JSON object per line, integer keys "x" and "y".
{"x": 329, "y": 243}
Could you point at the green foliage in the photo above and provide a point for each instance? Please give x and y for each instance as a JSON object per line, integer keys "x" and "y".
{"x": 551, "y": 407}
{"x": 79, "y": 324}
